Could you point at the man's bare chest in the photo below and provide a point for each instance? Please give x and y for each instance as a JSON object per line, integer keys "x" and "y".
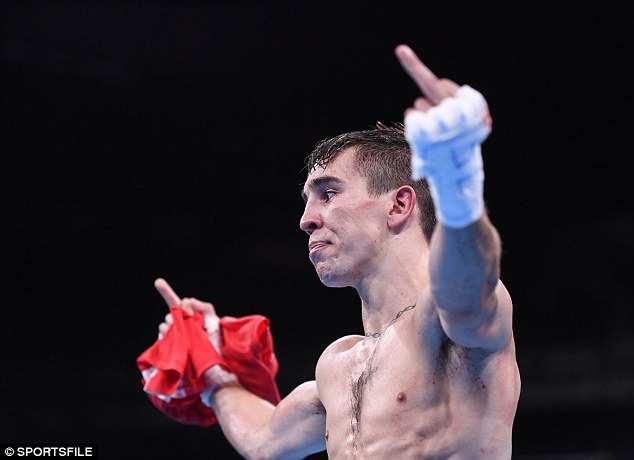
{"x": 381, "y": 388}
{"x": 385, "y": 375}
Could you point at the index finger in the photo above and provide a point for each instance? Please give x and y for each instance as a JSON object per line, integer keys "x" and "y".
{"x": 166, "y": 291}
{"x": 424, "y": 78}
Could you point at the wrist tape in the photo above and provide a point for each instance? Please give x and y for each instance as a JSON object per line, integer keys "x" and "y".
{"x": 445, "y": 143}
{"x": 215, "y": 377}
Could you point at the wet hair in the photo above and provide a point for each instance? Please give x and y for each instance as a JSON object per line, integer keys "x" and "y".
{"x": 383, "y": 157}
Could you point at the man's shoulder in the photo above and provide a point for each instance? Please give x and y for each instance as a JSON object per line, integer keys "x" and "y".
{"x": 333, "y": 357}
{"x": 343, "y": 344}
{"x": 339, "y": 346}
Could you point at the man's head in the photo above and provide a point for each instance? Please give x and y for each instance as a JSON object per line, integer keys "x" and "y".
{"x": 383, "y": 158}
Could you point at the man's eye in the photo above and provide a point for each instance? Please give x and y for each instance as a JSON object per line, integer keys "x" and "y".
{"x": 329, "y": 194}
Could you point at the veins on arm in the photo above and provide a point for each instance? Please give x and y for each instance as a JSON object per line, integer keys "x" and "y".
{"x": 465, "y": 266}
{"x": 474, "y": 307}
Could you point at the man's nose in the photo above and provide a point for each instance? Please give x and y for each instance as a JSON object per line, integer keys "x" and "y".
{"x": 310, "y": 220}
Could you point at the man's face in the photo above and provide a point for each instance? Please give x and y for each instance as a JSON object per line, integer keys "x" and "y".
{"x": 346, "y": 226}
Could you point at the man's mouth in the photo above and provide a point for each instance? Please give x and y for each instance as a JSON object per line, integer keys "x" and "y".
{"x": 315, "y": 246}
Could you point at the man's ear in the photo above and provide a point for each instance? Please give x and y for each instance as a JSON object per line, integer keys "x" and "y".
{"x": 402, "y": 206}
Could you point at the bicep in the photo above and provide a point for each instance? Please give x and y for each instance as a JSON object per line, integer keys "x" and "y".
{"x": 488, "y": 327}
{"x": 298, "y": 423}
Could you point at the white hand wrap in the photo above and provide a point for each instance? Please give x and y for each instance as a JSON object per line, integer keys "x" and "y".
{"x": 215, "y": 377}
{"x": 445, "y": 143}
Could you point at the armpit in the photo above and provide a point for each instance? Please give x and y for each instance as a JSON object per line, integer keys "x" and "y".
{"x": 318, "y": 407}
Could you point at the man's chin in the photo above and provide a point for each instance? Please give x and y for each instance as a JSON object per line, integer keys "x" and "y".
{"x": 332, "y": 284}
{"x": 330, "y": 279}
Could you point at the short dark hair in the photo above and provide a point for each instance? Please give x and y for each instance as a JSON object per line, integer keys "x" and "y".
{"x": 383, "y": 157}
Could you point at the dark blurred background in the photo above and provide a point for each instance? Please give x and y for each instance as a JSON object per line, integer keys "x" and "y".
{"x": 146, "y": 139}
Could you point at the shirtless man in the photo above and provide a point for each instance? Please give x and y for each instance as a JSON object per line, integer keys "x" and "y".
{"x": 435, "y": 375}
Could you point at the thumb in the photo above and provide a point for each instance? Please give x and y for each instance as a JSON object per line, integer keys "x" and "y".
{"x": 206, "y": 308}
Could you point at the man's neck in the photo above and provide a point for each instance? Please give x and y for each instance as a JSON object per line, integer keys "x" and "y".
{"x": 397, "y": 283}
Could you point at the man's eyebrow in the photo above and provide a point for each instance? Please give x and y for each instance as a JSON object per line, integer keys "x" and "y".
{"x": 318, "y": 182}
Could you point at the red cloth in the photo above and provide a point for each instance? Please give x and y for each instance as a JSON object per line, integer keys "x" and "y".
{"x": 173, "y": 366}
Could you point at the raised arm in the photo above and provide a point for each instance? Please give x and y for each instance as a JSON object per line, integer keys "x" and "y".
{"x": 474, "y": 306}
{"x": 294, "y": 428}
{"x": 445, "y": 129}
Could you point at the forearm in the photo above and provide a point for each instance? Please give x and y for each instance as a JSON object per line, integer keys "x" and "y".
{"x": 243, "y": 417}
{"x": 465, "y": 248}
{"x": 464, "y": 266}
{"x": 293, "y": 429}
